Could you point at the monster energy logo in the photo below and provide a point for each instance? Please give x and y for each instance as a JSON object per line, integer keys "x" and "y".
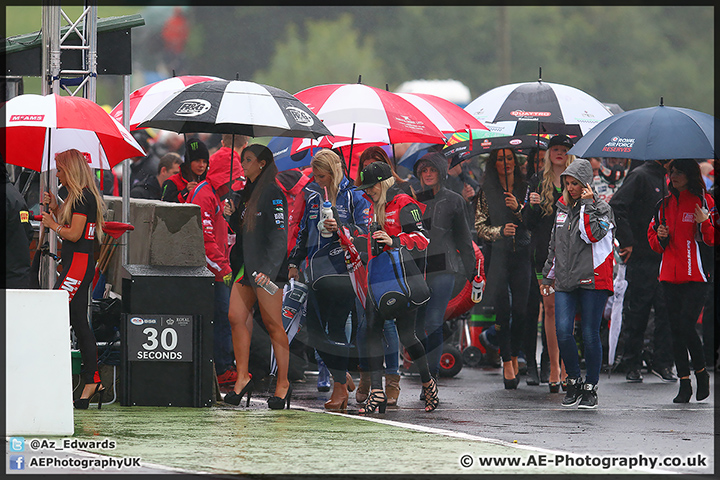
{"x": 194, "y": 145}
{"x": 416, "y": 215}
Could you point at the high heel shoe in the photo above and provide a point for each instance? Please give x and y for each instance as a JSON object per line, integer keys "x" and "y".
{"x": 234, "y": 398}
{"x": 349, "y": 382}
{"x": 431, "y": 395}
{"x": 278, "y": 403}
{"x": 512, "y": 383}
{"x": 84, "y": 403}
{"x": 554, "y": 387}
{"x": 339, "y": 398}
{"x": 376, "y": 401}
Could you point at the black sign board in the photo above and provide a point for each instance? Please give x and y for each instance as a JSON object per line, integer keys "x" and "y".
{"x": 159, "y": 338}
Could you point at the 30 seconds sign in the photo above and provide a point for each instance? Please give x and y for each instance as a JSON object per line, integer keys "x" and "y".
{"x": 163, "y": 338}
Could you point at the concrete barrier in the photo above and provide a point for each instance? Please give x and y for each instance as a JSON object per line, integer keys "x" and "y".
{"x": 166, "y": 234}
{"x": 38, "y": 371}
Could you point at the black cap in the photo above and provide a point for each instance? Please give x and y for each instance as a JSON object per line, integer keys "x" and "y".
{"x": 563, "y": 140}
{"x": 374, "y": 173}
{"x": 196, "y": 150}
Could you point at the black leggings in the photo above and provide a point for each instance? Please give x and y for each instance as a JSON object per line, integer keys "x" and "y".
{"x": 76, "y": 279}
{"x": 509, "y": 270}
{"x": 327, "y": 313}
{"x": 684, "y": 303}
{"x": 406, "y": 331}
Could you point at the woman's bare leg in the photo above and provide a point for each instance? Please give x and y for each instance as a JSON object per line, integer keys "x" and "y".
{"x": 551, "y": 338}
{"x": 242, "y": 300}
{"x": 271, "y": 311}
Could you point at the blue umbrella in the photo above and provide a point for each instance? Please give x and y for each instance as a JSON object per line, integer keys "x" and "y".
{"x": 655, "y": 133}
{"x": 281, "y": 148}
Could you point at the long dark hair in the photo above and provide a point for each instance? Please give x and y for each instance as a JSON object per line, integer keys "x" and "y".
{"x": 691, "y": 169}
{"x": 266, "y": 177}
{"x": 492, "y": 174}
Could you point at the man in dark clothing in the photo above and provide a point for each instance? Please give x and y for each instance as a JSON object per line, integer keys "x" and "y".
{"x": 18, "y": 235}
{"x": 634, "y": 204}
{"x": 150, "y": 188}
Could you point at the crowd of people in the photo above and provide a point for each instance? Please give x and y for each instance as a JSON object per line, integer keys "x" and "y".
{"x": 553, "y": 230}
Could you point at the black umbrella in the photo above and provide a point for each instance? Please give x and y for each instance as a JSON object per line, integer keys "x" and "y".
{"x": 461, "y": 151}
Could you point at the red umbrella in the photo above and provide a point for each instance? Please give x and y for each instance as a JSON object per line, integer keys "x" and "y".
{"x": 144, "y": 100}
{"x": 369, "y": 115}
{"x": 37, "y": 127}
{"x": 447, "y": 116}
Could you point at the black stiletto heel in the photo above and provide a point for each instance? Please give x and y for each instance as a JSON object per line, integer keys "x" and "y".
{"x": 278, "y": 403}
{"x": 376, "y": 401}
{"x": 511, "y": 383}
{"x": 554, "y": 387}
{"x": 431, "y": 396}
{"x": 234, "y": 398}
{"x": 84, "y": 403}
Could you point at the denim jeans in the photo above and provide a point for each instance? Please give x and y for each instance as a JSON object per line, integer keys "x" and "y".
{"x": 391, "y": 343}
{"x": 591, "y": 303}
{"x": 222, "y": 338}
{"x": 431, "y": 316}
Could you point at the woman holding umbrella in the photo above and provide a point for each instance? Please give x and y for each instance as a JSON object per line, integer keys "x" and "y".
{"x": 499, "y": 221}
{"x": 545, "y": 191}
{"x": 579, "y": 267}
{"x": 683, "y": 225}
{"x": 399, "y": 218}
{"x": 76, "y": 223}
{"x": 258, "y": 259}
{"x": 330, "y": 301}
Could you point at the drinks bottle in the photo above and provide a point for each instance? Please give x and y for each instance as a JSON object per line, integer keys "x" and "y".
{"x": 325, "y": 214}
{"x": 271, "y": 288}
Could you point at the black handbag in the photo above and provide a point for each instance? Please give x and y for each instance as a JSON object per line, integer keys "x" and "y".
{"x": 327, "y": 267}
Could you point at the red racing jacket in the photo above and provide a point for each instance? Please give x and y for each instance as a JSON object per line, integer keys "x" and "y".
{"x": 681, "y": 259}
{"x": 215, "y": 229}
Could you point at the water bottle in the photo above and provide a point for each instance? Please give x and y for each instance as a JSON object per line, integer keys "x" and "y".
{"x": 478, "y": 286}
{"x": 271, "y": 288}
{"x": 325, "y": 213}
{"x": 375, "y": 248}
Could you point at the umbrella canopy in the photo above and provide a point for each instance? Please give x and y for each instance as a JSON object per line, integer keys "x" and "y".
{"x": 298, "y": 152}
{"x": 461, "y": 151}
{"x": 37, "y": 127}
{"x": 506, "y": 108}
{"x": 654, "y": 133}
{"x": 360, "y": 111}
{"x": 447, "y": 116}
{"x": 144, "y": 100}
{"x": 240, "y": 107}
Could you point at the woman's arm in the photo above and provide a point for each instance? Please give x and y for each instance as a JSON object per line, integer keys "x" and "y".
{"x": 484, "y": 229}
{"x": 71, "y": 232}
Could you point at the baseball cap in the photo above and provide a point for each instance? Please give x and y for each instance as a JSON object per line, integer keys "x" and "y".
{"x": 374, "y": 173}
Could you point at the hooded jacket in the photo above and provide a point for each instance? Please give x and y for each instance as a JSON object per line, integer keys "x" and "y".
{"x": 352, "y": 209}
{"x": 214, "y": 225}
{"x": 681, "y": 258}
{"x": 450, "y": 248}
{"x": 292, "y": 182}
{"x": 580, "y": 254}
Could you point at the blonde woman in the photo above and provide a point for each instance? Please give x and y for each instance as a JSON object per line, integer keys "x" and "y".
{"x": 332, "y": 299}
{"x": 77, "y": 222}
{"x": 545, "y": 191}
{"x": 399, "y": 217}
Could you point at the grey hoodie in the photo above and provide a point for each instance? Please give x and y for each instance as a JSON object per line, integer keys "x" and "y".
{"x": 580, "y": 253}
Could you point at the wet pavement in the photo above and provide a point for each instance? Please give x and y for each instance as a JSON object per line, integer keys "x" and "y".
{"x": 478, "y": 422}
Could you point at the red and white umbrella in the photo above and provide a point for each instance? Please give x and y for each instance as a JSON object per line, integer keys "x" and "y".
{"x": 37, "y": 127}
{"x": 368, "y": 114}
{"x": 144, "y": 100}
{"x": 447, "y": 116}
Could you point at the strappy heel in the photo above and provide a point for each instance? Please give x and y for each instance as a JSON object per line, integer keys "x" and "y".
{"x": 84, "y": 403}
{"x": 279, "y": 403}
{"x": 431, "y": 396}
{"x": 376, "y": 401}
{"x": 235, "y": 398}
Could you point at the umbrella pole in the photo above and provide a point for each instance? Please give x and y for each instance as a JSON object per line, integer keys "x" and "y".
{"x": 352, "y": 140}
{"x": 232, "y": 158}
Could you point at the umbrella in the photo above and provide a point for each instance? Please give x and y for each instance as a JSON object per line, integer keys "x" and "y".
{"x": 356, "y": 269}
{"x": 446, "y": 116}
{"x": 463, "y": 150}
{"x": 520, "y": 107}
{"x": 654, "y": 133}
{"x": 37, "y": 127}
{"x": 114, "y": 231}
{"x": 144, "y": 100}
{"x": 620, "y": 285}
{"x": 239, "y": 107}
{"x": 368, "y": 114}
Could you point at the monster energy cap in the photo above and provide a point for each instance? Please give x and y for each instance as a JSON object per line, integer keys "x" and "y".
{"x": 374, "y": 173}
{"x": 196, "y": 150}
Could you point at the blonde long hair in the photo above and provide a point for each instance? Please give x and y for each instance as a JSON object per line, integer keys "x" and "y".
{"x": 329, "y": 161}
{"x": 77, "y": 177}
{"x": 379, "y": 207}
{"x": 546, "y": 187}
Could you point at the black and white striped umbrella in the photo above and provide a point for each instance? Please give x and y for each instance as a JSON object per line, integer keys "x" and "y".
{"x": 240, "y": 107}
